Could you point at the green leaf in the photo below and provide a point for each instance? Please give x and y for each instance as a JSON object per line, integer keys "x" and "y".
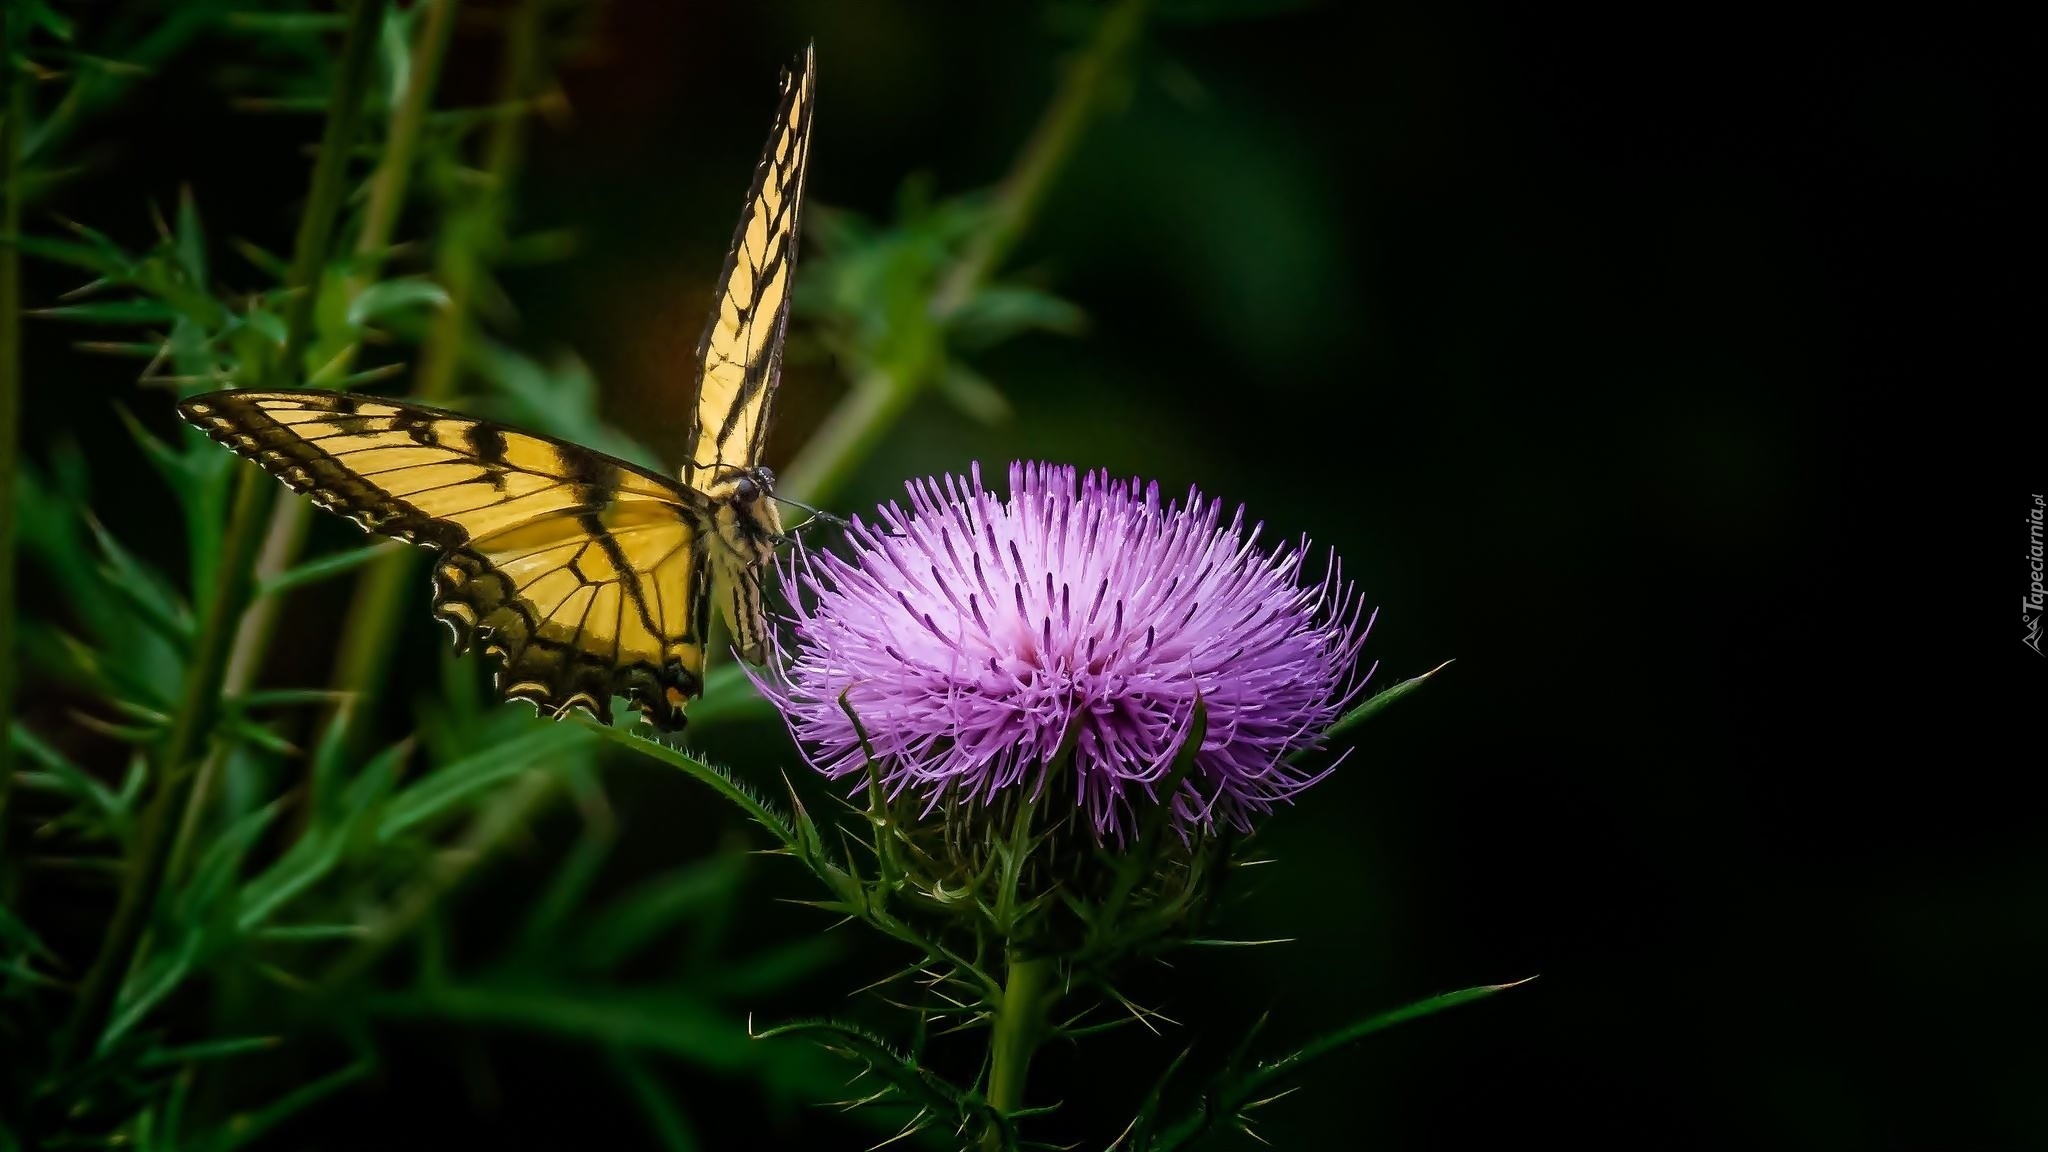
{"x": 148, "y": 988}
{"x": 17, "y": 933}
{"x": 670, "y": 1126}
{"x": 284, "y": 697}
{"x": 774, "y": 969}
{"x": 313, "y": 933}
{"x": 543, "y": 933}
{"x": 918, "y": 1085}
{"x": 190, "y": 239}
{"x": 1372, "y": 707}
{"x": 1234, "y": 1094}
{"x": 655, "y": 906}
{"x": 104, "y": 259}
{"x": 390, "y": 297}
{"x": 973, "y": 395}
{"x": 246, "y": 1127}
{"x": 671, "y": 1020}
{"x": 111, "y": 312}
{"x": 142, "y": 588}
{"x": 49, "y": 20}
{"x": 316, "y": 853}
{"x": 74, "y": 780}
{"x": 208, "y": 1050}
{"x": 327, "y": 567}
{"x": 287, "y": 23}
{"x": 466, "y": 778}
{"x": 1001, "y": 311}
{"x": 213, "y": 876}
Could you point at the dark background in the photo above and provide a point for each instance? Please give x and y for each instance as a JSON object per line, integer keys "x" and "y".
{"x": 1590, "y": 337}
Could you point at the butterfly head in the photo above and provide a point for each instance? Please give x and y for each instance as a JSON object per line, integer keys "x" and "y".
{"x": 748, "y": 522}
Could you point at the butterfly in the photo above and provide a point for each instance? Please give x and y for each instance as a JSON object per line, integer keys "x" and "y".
{"x": 586, "y": 576}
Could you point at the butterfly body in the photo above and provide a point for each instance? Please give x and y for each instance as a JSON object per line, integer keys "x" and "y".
{"x": 584, "y": 576}
{"x": 748, "y": 528}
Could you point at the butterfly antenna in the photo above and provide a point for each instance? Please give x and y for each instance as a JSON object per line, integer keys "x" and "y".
{"x": 819, "y": 515}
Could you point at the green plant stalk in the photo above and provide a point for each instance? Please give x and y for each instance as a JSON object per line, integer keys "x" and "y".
{"x": 12, "y": 131}
{"x": 1051, "y": 144}
{"x": 290, "y": 519}
{"x": 282, "y": 540}
{"x": 1019, "y": 1025}
{"x": 373, "y": 618}
{"x": 880, "y": 397}
{"x": 330, "y": 184}
{"x": 394, "y": 171}
{"x": 156, "y": 834}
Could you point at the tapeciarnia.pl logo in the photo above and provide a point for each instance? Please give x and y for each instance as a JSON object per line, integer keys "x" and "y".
{"x": 2030, "y": 615}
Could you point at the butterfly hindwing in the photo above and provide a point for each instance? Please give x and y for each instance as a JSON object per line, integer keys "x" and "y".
{"x": 586, "y": 576}
{"x": 740, "y": 356}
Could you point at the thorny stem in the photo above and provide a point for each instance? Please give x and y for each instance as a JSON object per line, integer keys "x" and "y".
{"x": 881, "y": 396}
{"x": 156, "y": 833}
{"x": 473, "y": 229}
{"x": 12, "y": 130}
{"x": 1019, "y": 1025}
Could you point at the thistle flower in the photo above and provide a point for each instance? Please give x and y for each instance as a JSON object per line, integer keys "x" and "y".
{"x": 976, "y": 638}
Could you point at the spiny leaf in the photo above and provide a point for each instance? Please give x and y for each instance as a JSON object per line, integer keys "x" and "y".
{"x": 1234, "y": 1092}
{"x": 1372, "y": 707}
{"x": 720, "y": 780}
{"x": 918, "y": 1084}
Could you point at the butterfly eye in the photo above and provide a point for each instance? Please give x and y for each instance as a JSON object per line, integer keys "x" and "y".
{"x": 746, "y": 491}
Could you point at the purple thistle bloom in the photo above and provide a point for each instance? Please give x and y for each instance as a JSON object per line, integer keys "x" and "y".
{"x": 985, "y": 632}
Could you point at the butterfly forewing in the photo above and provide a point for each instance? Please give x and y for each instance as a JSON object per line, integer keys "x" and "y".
{"x": 585, "y": 575}
{"x": 740, "y": 356}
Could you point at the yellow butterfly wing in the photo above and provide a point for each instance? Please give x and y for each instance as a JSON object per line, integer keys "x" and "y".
{"x": 740, "y": 357}
{"x": 586, "y": 576}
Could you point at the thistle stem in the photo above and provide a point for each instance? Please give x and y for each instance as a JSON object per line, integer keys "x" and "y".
{"x": 1018, "y": 1027}
{"x": 881, "y": 396}
{"x": 12, "y": 131}
{"x": 156, "y": 834}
